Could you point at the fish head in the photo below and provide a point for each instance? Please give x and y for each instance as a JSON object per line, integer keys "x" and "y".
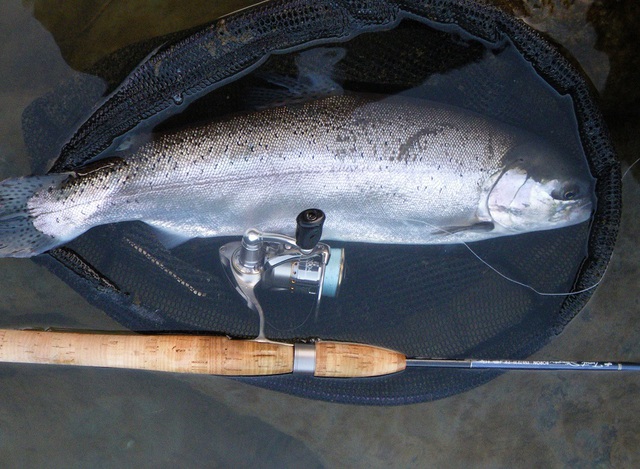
{"x": 538, "y": 189}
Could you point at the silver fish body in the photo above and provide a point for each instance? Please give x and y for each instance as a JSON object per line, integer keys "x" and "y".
{"x": 393, "y": 170}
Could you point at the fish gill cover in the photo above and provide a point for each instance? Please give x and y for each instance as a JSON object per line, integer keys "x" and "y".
{"x": 438, "y": 301}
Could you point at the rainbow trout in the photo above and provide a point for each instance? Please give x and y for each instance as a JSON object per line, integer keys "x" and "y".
{"x": 393, "y": 170}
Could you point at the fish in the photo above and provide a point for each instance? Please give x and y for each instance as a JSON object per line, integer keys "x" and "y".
{"x": 388, "y": 170}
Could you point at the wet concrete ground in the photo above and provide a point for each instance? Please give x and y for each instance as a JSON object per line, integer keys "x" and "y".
{"x": 64, "y": 417}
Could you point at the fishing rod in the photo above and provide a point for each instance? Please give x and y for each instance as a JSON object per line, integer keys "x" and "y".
{"x": 270, "y": 261}
{"x": 216, "y": 355}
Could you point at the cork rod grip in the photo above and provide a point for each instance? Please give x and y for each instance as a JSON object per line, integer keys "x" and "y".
{"x": 173, "y": 353}
{"x": 348, "y": 360}
{"x": 196, "y": 354}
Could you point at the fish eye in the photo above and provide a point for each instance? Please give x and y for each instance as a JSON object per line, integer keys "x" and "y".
{"x": 566, "y": 193}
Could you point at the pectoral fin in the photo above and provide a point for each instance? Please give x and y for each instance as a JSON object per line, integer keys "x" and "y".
{"x": 478, "y": 227}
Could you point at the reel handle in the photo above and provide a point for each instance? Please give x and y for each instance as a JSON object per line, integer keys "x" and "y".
{"x": 309, "y": 228}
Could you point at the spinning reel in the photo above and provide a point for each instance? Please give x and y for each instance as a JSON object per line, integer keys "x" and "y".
{"x": 277, "y": 262}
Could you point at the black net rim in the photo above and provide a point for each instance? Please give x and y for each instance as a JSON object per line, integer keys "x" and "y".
{"x": 347, "y": 18}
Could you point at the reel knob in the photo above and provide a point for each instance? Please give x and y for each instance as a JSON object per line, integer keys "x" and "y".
{"x": 309, "y": 228}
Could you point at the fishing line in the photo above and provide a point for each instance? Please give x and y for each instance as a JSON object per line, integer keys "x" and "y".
{"x": 629, "y": 169}
{"x": 296, "y": 327}
{"x": 504, "y": 276}
{"x": 512, "y": 280}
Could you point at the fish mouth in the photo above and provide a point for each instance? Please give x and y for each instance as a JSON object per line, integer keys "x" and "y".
{"x": 573, "y": 214}
{"x": 587, "y": 207}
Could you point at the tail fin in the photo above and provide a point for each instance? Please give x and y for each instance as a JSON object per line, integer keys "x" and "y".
{"x": 18, "y": 236}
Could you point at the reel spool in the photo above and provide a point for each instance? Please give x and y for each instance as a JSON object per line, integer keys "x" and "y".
{"x": 277, "y": 262}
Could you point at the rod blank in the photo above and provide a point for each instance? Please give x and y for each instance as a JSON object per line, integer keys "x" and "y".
{"x": 523, "y": 365}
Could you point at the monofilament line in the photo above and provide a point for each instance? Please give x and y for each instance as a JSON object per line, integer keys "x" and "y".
{"x": 504, "y": 276}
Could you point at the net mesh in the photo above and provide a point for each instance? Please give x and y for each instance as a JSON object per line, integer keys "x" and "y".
{"x": 421, "y": 300}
